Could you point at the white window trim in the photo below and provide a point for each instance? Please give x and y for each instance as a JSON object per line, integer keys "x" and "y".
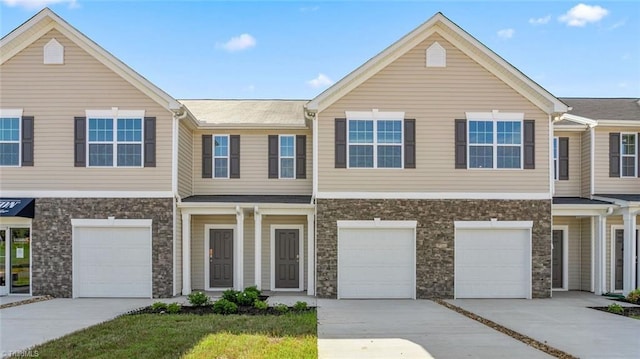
{"x": 214, "y": 157}
{"x": 11, "y": 114}
{"x": 375, "y": 143}
{"x": 555, "y": 148}
{"x": 495, "y": 118}
{"x": 280, "y": 156}
{"x": 236, "y": 261}
{"x": 634, "y": 156}
{"x": 115, "y": 114}
{"x": 301, "y": 237}
{"x": 565, "y": 258}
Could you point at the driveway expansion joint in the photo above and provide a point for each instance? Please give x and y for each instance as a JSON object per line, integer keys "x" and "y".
{"x": 26, "y": 301}
{"x": 512, "y": 333}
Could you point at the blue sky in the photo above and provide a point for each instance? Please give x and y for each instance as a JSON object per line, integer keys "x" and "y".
{"x": 287, "y": 49}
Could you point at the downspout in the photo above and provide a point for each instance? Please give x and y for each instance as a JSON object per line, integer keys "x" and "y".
{"x": 313, "y": 117}
{"x": 592, "y": 160}
{"x": 177, "y": 116}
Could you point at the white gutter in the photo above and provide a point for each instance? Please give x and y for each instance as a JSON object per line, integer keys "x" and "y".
{"x": 315, "y": 155}
{"x": 551, "y": 172}
{"x": 592, "y": 159}
{"x": 249, "y": 205}
{"x": 578, "y": 119}
{"x": 619, "y": 123}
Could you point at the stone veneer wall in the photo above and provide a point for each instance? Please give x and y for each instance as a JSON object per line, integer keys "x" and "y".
{"x": 51, "y": 238}
{"x": 434, "y": 237}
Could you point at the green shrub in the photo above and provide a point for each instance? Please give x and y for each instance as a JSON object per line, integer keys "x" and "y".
{"x": 634, "y": 296}
{"x": 198, "y": 299}
{"x": 281, "y": 308}
{"x": 158, "y": 306}
{"x": 246, "y": 298}
{"x": 300, "y": 306}
{"x": 230, "y": 295}
{"x": 253, "y": 288}
{"x": 261, "y": 305}
{"x": 615, "y": 308}
{"x": 173, "y": 308}
{"x": 224, "y": 306}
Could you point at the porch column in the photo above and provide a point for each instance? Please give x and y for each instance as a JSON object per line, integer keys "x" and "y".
{"x": 186, "y": 253}
{"x": 257, "y": 218}
{"x": 311, "y": 255}
{"x": 628, "y": 255}
{"x": 600, "y": 234}
{"x": 239, "y": 276}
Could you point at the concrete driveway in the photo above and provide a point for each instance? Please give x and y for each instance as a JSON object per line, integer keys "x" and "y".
{"x": 27, "y": 325}
{"x": 408, "y": 329}
{"x": 564, "y": 322}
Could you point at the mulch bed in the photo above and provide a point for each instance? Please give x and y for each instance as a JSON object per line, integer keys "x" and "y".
{"x": 521, "y": 337}
{"x": 628, "y": 311}
{"x": 26, "y": 301}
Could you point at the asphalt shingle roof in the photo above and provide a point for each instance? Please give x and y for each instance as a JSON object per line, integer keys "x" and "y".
{"x": 248, "y": 112}
{"x": 604, "y": 108}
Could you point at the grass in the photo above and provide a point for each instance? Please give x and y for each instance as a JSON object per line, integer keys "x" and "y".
{"x": 191, "y": 336}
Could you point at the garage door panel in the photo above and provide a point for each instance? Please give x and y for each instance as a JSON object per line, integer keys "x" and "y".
{"x": 376, "y": 263}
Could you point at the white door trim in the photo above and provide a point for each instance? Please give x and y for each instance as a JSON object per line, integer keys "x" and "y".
{"x": 565, "y": 257}
{"x": 612, "y": 257}
{"x": 6, "y": 226}
{"x": 300, "y": 228}
{"x": 207, "y": 228}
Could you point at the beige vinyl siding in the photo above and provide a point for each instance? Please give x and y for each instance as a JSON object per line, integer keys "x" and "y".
{"x": 586, "y": 242}
{"x": 434, "y": 97}
{"x": 613, "y": 221}
{"x": 267, "y": 222}
{"x": 177, "y": 252}
{"x": 253, "y": 166}
{"x": 603, "y": 183}
{"x": 54, "y": 95}
{"x": 586, "y": 165}
{"x": 185, "y": 161}
{"x": 198, "y": 252}
{"x": 571, "y": 187}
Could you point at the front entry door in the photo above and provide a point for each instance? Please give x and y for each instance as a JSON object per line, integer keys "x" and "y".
{"x": 3, "y": 261}
{"x": 618, "y": 258}
{"x": 221, "y": 258}
{"x": 557, "y": 259}
{"x": 287, "y": 261}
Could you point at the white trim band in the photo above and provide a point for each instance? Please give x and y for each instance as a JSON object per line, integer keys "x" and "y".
{"x": 435, "y": 195}
{"x": 374, "y": 114}
{"x": 114, "y": 113}
{"x": 88, "y": 194}
{"x": 111, "y": 222}
{"x": 10, "y": 112}
{"x": 493, "y": 224}
{"x": 377, "y": 223}
{"x": 495, "y": 115}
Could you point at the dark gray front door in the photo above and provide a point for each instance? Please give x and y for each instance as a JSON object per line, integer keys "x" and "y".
{"x": 557, "y": 258}
{"x": 618, "y": 258}
{"x": 221, "y": 258}
{"x": 287, "y": 258}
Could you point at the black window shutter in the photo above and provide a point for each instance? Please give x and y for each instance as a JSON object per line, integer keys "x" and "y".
{"x": 27, "y": 140}
{"x": 638, "y": 168}
{"x": 301, "y": 156}
{"x": 207, "y": 156}
{"x": 409, "y": 143}
{"x": 461, "y": 143}
{"x": 341, "y": 143}
{"x": 529, "y": 146}
{"x": 149, "y": 141}
{"x": 80, "y": 141}
{"x": 563, "y": 158}
{"x": 614, "y": 155}
{"x": 234, "y": 156}
{"x": 273, "y": 156}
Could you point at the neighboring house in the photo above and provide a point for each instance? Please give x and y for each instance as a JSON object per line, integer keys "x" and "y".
{"x": 597, "y": 195}
{"x": 427, "y": 172}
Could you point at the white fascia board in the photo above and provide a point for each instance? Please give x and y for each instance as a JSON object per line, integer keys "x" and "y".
{"x": 619, "y": 202}
{"x": 493, "y": 224}
{"x": 110, "y": 222}
{"x": 569, "y": 128}
{"x": 435, "y": 195}
{"x": 579, "y": 210}
{"x": 619, "y": 123}
{"x": 88, "y": 194}
{"x": 10, "y": 112}
{"x": 377, "y": 223}
{"x": 578, "y": 119}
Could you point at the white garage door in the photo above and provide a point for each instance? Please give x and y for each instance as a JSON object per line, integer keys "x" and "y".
{"x": 112, "y": 262}
{"x": 492, "y": 263}
{"x": 376, "y": 263}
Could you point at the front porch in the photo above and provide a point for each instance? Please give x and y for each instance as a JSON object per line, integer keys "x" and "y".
{"x": 240, "y": 244}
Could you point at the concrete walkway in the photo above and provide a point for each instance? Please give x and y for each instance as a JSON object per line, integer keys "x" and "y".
{"x": 565, "y": 322}
{"x": 27, "y": 325}
{"x": 408, "y": 329}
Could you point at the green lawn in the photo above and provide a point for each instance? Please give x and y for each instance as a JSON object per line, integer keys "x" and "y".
{"x": 191, "y": 336}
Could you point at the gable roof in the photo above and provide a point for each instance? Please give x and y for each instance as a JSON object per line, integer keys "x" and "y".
{"x": 46, "y": 20}
{"x": 463, "y": 41}
{"x": 619, "y": 109}
{"x": 248, "y": 113}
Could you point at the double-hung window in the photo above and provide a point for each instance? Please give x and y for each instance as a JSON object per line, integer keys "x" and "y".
{"x": 628, "y": 154}
{"x": 287, "y": 156}
{"x": 10, "y": 141}
{"x": 495, "y": 144}
{"x": 221, "y": 156}
{"x": 375, "y": 143}
{"x": 555, "y": 158}
{"x": 115, "y": 141}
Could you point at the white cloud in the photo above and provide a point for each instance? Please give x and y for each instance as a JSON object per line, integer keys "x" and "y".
{"x": 37, "y": 4}
{"x": 321, "y": 81}
{"x": 582, "y": 14}
{"x": 309, "y": 8}
{"x": 238, "y": 43}
{"x": 540, "y": 20}
{"x": 618, "y": 24}
{"x": 506, "y": 33}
